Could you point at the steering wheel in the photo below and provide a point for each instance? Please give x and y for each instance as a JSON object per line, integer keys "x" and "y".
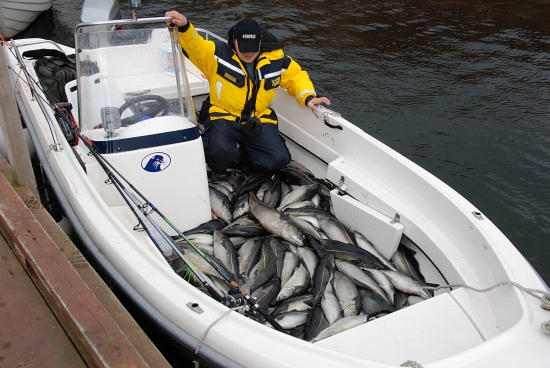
{"x": 160, "y": 106}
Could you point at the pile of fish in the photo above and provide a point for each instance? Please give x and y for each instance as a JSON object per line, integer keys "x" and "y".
{"x": 277, "y": 236}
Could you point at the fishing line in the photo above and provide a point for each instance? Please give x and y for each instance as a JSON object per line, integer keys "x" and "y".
{"x": 14, "y": 50}
{"x": 63, "y": 114}
{"x": 104, "y": 163}
{"x": 127, "y": 194}
{"x": 255, "y": 306}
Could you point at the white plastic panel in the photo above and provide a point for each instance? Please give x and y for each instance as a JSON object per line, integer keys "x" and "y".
{"x": 179, "y": 189}
{"x": 425, "y": 332}
{"x": 383, "y": 232}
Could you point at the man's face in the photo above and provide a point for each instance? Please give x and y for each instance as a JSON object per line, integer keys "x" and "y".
{"x": 246, "y": 57}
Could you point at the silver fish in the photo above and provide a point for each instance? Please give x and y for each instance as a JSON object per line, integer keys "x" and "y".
{"x": 264, "y": 269}
{"x": 301, "y": 167}
{"x": 222, "y": 188}
{"x": 341, "y": 325}
{"x": 290, "y": 262}
{"x": 322, "y": 275}
{"x": 220, "y": 285}
{"x": 226, "y": 253}
{"x": 244, "y": 282}
{"x": 249, "y": 254}
{"x": 277, "y": 223}
{"x": 407, "y": 284}
{"x": 235, "y": 179}
{"x": 335, "y": 229}
{"x": 401, "y": 300}
{"x": 279, "y": 252}
{"x": 272, "y": 196}
{"x": 199, "y": 239}
{"x": 260, "y": 193}
{"x": 297, "y": 283}
{"x": 240, "y": 206}
{"x": 347, "y": 294}
{"x": 404, "y": 261}
{"x": 285, "y": 189}
{"x": 207, "y": 228}
{"x": 220, "y": 205}
{"x": 266, "y": 294}
{"x": 363, "y": 243}
{"x": 205, "y": 248}
{"x": 238, "y": 241}
{"x": 382, "y": 281}
{"x": 306, "y": 227}
{"x": 316, "y": 322}
{"x": 199, "y": 262}
{"x": 313, "y": 220}
{"x": 350, "y": 252}
{"x": 227, "y": 185}
{"x": 301, "y": 204}
{"x": 316, "y": 200}
{"x": 373, "y": 304}
{"x": 293, "y": 304}
{"x": 290, "y": 320}
{"x": 302, "y": 193}
{"x": 359, "y": 277}
{"x": 331, "y": 305}
{"x": 308, "y": 258}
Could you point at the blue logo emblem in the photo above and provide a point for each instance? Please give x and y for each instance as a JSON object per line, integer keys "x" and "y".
{"x": 154, "y": 162}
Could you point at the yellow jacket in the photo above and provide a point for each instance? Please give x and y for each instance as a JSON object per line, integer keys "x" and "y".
{"x": 231, "y": 90}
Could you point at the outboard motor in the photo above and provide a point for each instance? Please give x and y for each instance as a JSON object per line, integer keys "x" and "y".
{"x": 99, "y": 10}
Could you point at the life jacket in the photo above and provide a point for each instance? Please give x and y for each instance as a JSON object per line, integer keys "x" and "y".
{"x": 233, "y": 95}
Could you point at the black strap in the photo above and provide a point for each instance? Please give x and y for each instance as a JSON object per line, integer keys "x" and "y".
{"x": 41, "y": 53}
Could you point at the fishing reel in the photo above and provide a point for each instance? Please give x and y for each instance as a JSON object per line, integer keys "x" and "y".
{"x": 233, "y": 299}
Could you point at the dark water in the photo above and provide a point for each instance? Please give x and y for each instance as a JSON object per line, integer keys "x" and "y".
{"x": 462, "y": 88}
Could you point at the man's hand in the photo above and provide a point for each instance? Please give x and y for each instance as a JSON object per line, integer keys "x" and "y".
{"x": 316, "y": 101}
{"x": 178, "y": 19}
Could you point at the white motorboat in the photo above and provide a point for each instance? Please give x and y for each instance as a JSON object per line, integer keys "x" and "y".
{"x": 16, "y": 15}
{"x": 378, "y": 193}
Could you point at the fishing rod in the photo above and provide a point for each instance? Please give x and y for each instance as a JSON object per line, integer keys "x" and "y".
{"x": 224, "y": 273}
{"x": 103, "y": 162}
{"x": 127, "y": 194}
{"x": 15, "y": 52}
{"x": 64, "y": 115}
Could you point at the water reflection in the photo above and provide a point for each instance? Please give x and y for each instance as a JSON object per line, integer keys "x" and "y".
{"x": 459, "y": 87}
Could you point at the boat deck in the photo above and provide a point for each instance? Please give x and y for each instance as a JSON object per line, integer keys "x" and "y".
{"x": 54, "y": 308}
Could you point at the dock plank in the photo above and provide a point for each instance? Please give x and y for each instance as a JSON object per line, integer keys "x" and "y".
{"x": 87, "y": 317}
{"x": 30, "y": 334}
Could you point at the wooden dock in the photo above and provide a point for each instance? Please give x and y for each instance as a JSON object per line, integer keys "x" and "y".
{"x": 54, "y": 308}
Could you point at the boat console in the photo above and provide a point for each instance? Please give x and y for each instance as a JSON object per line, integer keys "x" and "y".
{"x": 132, "y": 101}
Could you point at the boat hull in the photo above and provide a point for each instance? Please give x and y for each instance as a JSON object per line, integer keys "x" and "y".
{"x": 16, "y": 16}
{"x": 455, "y": 243}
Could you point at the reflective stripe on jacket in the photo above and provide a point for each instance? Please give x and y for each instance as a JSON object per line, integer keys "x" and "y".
{"x": 231, "y": 90}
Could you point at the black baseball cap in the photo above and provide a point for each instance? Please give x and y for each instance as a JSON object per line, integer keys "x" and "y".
{"x": 248, "y": 34}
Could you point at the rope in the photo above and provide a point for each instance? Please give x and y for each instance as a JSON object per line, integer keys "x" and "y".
{"x": 544, "y": 296}
{"x": 196, "y": 360}
{"x": 411, "y": 363}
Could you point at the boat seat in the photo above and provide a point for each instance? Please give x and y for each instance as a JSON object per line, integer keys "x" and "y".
{"x": 425, "y": 332}
{"x": 72, "y": 97}
{"x": 104, "y": 92}
{"x": 383, "y": 232}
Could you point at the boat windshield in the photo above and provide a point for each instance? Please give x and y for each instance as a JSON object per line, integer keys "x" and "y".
{"x": 129, "y": 79}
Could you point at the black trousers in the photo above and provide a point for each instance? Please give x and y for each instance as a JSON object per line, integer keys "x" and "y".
{"x": 265, "y": 152}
